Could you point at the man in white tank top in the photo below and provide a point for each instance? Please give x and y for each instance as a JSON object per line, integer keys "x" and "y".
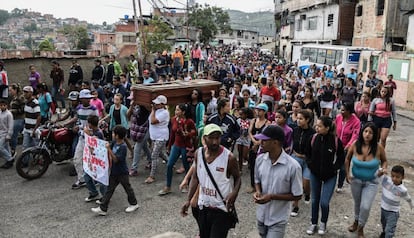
{"x": 213, "y": 218}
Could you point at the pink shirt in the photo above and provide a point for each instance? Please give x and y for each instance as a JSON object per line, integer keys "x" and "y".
{"x": 98, "y": 104}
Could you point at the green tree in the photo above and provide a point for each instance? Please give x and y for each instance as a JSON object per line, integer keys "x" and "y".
{"x": 210, "y": 20}
{"x": 77, "y": 36}
{"x": 4, "y": 16}
{"x": 46, "y": 45}
{"x": 30, "y": 28}
{"x": 157, "y": 34}
{"x": 16, "y": 12}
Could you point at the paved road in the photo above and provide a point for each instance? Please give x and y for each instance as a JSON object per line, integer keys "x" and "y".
{"x": 47, "y": 207}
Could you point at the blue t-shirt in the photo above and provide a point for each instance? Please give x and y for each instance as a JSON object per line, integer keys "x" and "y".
{"x": 44, "y": 101}
{"x": 148, "y": 80}
{"x": 120, "y": 151}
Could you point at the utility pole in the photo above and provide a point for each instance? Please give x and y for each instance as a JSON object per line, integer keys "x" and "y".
{"x": 187, "y": 13}
{"x": 138, "y": 40}
{"x": 144, "y": 40}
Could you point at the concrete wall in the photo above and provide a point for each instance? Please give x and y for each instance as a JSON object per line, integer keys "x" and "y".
{"x": 18, "y": 69}
{"x": 410, "y": 35}
{"x": 322, "y": 31}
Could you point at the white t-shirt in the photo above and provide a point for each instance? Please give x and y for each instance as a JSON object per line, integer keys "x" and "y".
{"x": 251, "y": 88}
{"x": 160, "y": 130}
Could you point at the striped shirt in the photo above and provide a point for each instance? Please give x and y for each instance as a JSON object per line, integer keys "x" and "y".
{"x": 392, "y": 194}
{"x": 32, "y": 112}
{"x": 84, "y": 112}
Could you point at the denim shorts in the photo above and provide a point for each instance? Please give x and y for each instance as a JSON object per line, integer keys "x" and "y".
{"x": 304, "y": 166}
{"x": 382, "y": 122}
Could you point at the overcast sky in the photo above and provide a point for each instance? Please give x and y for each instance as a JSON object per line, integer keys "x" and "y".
{"x": 98, "y": 11}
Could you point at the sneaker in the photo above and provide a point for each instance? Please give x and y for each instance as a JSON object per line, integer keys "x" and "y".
{"x": 133, "y": 173}
{"x": 339, "y": 190}
{"x": 13, "y": 153}
{"x": 295, "y": 212}
{"x": 99, "y": 201}
{"x": 91, "y": 198}
{"x": 8, "y": 164}
{"x": 312, "y": 229}
{"x": 164, "y": 191}
{"x": 132, "y": 208}
{"x": 307, "y": 199}
{"x": 322, "y": 228}
{"x": 245, "y": 163}
{"x": 98, "y": 211}
{"x": 78, "y": 185}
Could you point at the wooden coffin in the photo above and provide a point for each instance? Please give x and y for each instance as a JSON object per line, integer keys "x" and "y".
{"x": 176, "y": 92}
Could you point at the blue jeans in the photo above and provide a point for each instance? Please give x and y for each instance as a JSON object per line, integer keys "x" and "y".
{"x": 341, "y": 177}
{"x": 5, "y": 149}
{"x": 74, "y": 144}
{"x": 364, "y": 193}
{"x": 304, "y": 166}
{"x": 28, "y": 140}
{"x": 90, "y": 184}
{"x": 17, "y": 129}
{"x": 321, "y": 196}
{"x": 176, "y": 69}
{"x": 172, "y": 159}
{"x": 274, "y": 231}
{"x": 137, "y": 151}
{"x": 57, "y": 96}
{"x": 389, "y": 221}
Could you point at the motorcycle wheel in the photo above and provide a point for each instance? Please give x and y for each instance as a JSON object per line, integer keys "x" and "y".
{"x": 32, "y": 164}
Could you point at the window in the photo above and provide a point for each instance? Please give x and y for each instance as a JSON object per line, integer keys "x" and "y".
{"x": 330, "y": 57}
{"x": 359, "y": 11}
{"x": 239, "y": 34}
{"x": 298, "y": 25}
{"x": 338, "y": 58}
{"x": 330, "y": 19}
{"x": 380, "y": 7}
{"x": 364, "y": 65}
{"x": 312, "y": 54}
{"x": 321, "y": 56}
{"x": 313, "y": 23}
{"x": 305, "y": 53}
{"x": 129, "y": 39}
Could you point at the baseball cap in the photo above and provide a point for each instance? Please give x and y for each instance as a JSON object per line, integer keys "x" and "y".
{"x": 262, "y": 106}
{"x": 73, "y": 96}
{"x": 161, "y": 99}
{"x": 211, "y": 128}
{"x": 28, "y": 89}
{"x": 271, "y": 132}
{"x": 85, "y": 93}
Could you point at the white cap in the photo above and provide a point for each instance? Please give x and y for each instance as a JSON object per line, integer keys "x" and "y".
{"x": 161, "y": 99}
{"x": 28, "y": 89}
{"x": 85, "y": 93}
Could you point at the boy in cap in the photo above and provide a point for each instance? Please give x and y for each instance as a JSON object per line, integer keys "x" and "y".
{"x": 84, "y": 110}
{"x": 278, "y": 180}
{"x": 6, "y": 131}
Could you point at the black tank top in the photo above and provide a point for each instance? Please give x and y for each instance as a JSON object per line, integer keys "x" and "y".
{"x": 256, "y": 130}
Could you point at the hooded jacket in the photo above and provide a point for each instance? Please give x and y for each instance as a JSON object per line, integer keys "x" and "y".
{"x": 348, "y": 131}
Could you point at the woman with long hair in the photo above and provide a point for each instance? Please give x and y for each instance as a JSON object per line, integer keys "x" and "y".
{"x": 243, "y": 142}
{"x": 247, "y": 100}
{"x": 288, "y": 100}
{"x": 296, "y": 106}
{"x": 324, "y": 157}
{"x": 17, "y": 109}
{"x": 237, "y": 105}
{"x": 256, "y": 127}
{"x": 302, "y": 135}
{"x": 362, "y": 108}
{"x": 182, "y": 133}
{"x": 347, "y": 130}
{"x": 369, "y": 162}
{"x": 310, "y": 103}
{"x": 382, "y": 110}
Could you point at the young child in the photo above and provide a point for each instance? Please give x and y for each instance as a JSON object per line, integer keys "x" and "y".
{"x": 243, "y": 142}
{"x": 6, "y": 132}
{"x": 93, "y": 130}
{"x": 117, "y": 152}
{"x": 392, "y": 191}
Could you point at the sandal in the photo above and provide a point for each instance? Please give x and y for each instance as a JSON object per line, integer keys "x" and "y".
{"x": 149, "y": 180}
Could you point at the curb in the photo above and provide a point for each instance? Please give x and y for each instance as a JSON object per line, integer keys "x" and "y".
{"x": 405, "y": 116}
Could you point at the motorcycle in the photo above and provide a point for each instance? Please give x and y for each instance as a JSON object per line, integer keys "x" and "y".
{"x": 55, "y": 144}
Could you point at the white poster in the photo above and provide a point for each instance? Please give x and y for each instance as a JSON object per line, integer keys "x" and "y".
{"x": 95, "y": 159}
{"x": 404, "y": 71}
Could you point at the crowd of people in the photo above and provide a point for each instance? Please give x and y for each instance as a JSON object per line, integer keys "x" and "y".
{"x": 299, "y": 134}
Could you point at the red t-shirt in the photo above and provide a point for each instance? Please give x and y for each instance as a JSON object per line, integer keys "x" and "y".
{"x": 177, "y": 128}
{"x": 272, "y": 92}
{"x": 393, "y": 86}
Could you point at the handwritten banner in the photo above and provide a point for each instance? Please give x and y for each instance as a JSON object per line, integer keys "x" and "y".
{"x": 95, "y": 159}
